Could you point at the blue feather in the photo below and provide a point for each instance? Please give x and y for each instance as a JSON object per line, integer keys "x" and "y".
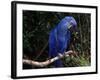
{"x": 59, "y": 38}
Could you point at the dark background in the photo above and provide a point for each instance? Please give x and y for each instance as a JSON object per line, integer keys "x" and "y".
{"x": 36, "y": 28}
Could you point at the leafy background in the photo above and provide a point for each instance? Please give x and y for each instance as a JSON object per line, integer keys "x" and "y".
{"x": 36, "y": 28}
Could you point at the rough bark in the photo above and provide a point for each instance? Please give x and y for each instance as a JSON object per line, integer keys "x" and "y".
{"x": 47, "y": 62}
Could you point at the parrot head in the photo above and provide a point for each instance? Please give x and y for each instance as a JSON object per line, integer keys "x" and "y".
{"x": 71, "y": 23}
{"x": 68, "y": 24}
{"x": 72, "y": 26}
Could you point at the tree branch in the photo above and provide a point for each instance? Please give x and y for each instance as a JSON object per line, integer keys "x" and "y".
{"x": 47, "y": 62}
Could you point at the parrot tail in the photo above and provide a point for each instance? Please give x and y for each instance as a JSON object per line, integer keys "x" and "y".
{"x": 58, "y": 63}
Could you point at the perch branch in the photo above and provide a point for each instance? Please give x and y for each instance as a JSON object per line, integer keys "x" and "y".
{"x": 47, "y": 62}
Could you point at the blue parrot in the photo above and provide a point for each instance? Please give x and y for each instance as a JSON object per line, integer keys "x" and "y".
{"x": 60, "y": 36}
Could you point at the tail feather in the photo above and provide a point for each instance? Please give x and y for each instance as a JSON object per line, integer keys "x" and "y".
{"x": 58, "y": 63}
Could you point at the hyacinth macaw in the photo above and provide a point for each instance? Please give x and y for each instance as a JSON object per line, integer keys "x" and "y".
{"x": 59, "y": 38}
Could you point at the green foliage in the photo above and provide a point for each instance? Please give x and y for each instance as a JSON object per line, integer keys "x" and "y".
{"x": 36, "y": 28}
{"x": 73, "y": 61}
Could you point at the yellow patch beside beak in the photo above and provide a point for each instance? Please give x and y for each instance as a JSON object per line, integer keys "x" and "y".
{"x": 69, "y": 26}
